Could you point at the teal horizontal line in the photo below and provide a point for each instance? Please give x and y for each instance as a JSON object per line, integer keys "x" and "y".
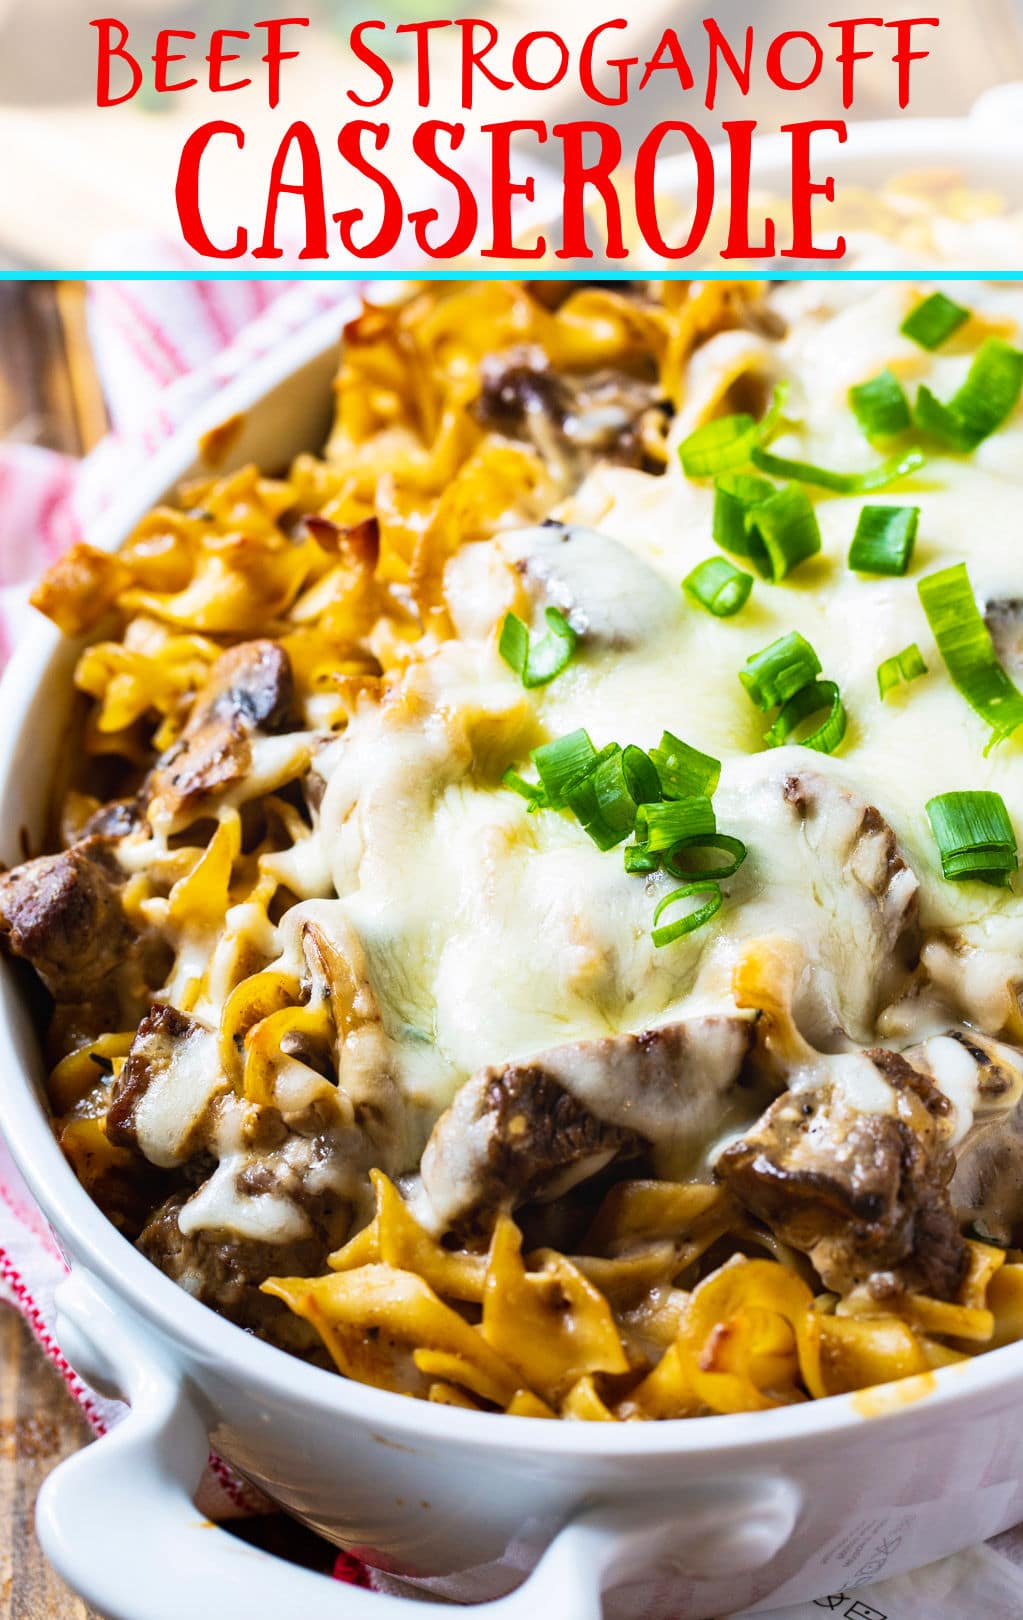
{"x": 523, "y": 271}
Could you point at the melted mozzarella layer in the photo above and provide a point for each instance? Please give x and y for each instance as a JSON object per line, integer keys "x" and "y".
{"x": 491, "y": 933}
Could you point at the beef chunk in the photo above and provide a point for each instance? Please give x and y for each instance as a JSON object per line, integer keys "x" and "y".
{"x": 158, "y": 1040}
{"x": 116, "y": 819}
{"x": 526, "y": 1130}
{"x": 63, "y": 914}
{"x": 864, "y": 1194}
{"x": 225, "y": 1271}
{"x": 249, "y": 688}
{"x": 572, "y": 419}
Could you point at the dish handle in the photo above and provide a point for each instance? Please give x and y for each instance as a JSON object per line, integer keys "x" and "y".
{"x": 118, "y": 1522}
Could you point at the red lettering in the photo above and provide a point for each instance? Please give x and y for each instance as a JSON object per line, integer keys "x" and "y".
{"x": 520, "y": 61}
{"x": 349, "y": 144}
{"x": 472, "y": 59}
{"x": 622, "y": 63}
{"x": 105, "y": 53}
{"x": 274, "y": 55}
{"x": 905, "y": 55}
{"x": 371, "y": 60}
{"x": 676, "y": 58}
{"x": 309, "y": 188}
{"x": 422, "y": 32}
{"x": 504, "y": 190}
{"x": 646, "y": 190}
{"x": 776, "y": 72}
{"x": 740, "y": 137}
{"x": 848, "y": 55}
{"x": 804, "y": 190}
{"x": 186, "y": 192}
{"x": 578, "y": 175}
{"x": 424, "y": 144}
{"x": 163, "y": 56}
{"x": 719, "y": 46}
{"x": 218, "y": 56}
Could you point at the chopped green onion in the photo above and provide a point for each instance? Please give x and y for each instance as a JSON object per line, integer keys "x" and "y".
{"x": 729, "y": 441}
{"x": 880, "y": 406}
{"x": 695, "y": 919}
{"x": 807, "y": 701}
{"x": 684, "y": 772}
{"x": 532, "y": 792}
{"x": 934, "y": 320}
{"x": 840, "y": 483}
{"x": 884, "y": 539}
{"x": 735, "y": 495}
{"x": 965, "y": 644}
{"x": 718, "y": 586}
{"x": 687, "y": 873}
{"x": 639, "y": 859}
{"x": 907, "y": 665}
{"x": 562, "y": 762}
{"x": 537, "y": 664}
{"x": 662, "y": 826}
{"x": 775, "y": 528}
{"x": 611, "y": 794}
{"x": 780, "y": 670}
{"x": 975, "y": 837}
{"x": 581, "y": 798}
{"x": 988, "y": 396}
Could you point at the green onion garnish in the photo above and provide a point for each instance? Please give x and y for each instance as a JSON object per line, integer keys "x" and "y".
{"x": 684, "y": 772}
{"x": 965, "y": 644}
{"x": 695, "y": 919}
{"x": 880, "y": 406}
{"x": 562, "y": 762}
{"x": 780, "y": 670}
{"x": 684, "y": 869}
{"x": 537, "y": 664}
{"x": 810, "y": 700}
{"x": 605, "y": 830}
{"x": 884, "y": 539}
{"x": 840, "y": 483}
{"x": 532, "y": 792}
{"x": 606, "y": 801}
{"x": 934, "y": 320}
{"x": 907, "y": 665}
{"x": 974, "y": 837}
{"x": 662, "y": 826}
{"x": 735, "y": 496}
{"x": 775, "y": 528}
{"x": 988, "y": 396}
{"x": 639, "y": 859}
{"x": 718, "y": 586}
{"x": 729, "y": 441}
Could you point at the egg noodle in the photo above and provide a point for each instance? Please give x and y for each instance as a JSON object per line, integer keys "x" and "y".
{"x": 319, "y": 924}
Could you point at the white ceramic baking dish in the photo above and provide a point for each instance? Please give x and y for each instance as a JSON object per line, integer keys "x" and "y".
{"x": 674, "y": 1521}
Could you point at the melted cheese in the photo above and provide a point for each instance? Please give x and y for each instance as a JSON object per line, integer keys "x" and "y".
{"x": 491, "y": 934}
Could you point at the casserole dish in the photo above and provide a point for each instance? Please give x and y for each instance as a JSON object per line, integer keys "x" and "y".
{"x": 730, "y": 1512}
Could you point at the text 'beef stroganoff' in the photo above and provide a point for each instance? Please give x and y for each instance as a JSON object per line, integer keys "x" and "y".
{"x": 569, "y": 993}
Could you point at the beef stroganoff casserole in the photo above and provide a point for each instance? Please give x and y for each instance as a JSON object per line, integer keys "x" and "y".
{"x": 534, "y": 921}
